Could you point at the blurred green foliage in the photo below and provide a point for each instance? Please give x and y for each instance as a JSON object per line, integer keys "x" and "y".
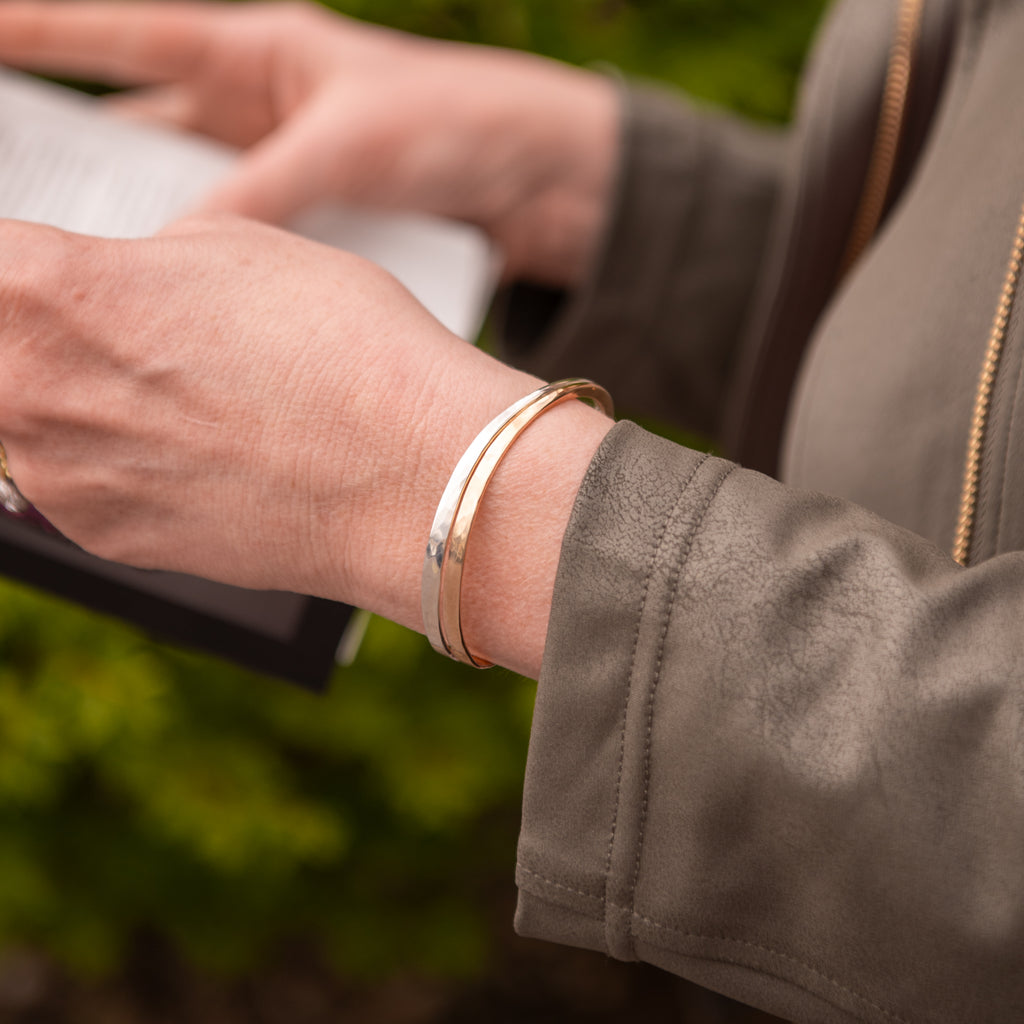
{"x": 143, "y": 786}
{"x": 744, "y": 54}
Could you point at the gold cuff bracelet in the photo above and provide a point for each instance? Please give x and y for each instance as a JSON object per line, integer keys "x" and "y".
{"x": 449, "y": 534}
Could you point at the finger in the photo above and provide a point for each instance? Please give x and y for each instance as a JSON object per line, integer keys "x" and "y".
{"x": 170, "y": 105}
{"x": 278, "y": 177}
{"x": 116, "y": 42}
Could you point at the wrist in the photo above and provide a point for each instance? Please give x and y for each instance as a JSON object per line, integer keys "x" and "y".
{"x": 573, "y": 179}
{"x": 515, "y": 544}
{"x": 513, "y": 550}
{"x": 379, "y": 545}
{"x": 554, "y": 149}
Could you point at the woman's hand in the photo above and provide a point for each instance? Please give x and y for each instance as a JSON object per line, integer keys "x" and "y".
{"x": 328, "y": 107}
{"x": 230, "y": 400}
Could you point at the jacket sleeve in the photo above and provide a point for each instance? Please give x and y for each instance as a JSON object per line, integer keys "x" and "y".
{"x": 778, "y": 748}
{"x": 664, "y": 303}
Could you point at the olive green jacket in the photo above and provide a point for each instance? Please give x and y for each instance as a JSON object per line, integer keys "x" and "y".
{"x": 778, "y": 745}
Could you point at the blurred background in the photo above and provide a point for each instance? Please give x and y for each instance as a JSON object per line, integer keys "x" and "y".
{"x": 183, "y": 841}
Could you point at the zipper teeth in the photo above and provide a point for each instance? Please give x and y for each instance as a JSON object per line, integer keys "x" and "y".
{"x": 983, "y": 400}
{"x": 890, "y": 126}
{"x": 877, "y": 185}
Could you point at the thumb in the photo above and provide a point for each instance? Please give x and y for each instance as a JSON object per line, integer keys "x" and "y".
{"x": 285, "y": 172}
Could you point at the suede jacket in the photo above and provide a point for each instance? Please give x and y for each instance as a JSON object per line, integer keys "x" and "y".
{"x": 778, "y": 746}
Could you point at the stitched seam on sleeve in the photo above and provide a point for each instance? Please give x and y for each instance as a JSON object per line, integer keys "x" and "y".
{"x": 677, "y": 572}
{"x": 655, "y": 549}
{"x": 739, "y": 943}
{"x": 561, "y": 885}
{"x": 562, "y": 882}
{"x": 775, "y": 953}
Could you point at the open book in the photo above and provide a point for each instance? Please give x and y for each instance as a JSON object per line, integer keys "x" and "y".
{"x": 65, "y": 161}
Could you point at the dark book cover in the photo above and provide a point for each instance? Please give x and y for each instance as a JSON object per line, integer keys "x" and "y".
{"x": 290, "y": 636}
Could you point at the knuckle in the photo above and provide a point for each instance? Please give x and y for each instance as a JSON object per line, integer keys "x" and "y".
{"x": 83, "y": 502}
{"x": 36, "y": 479}
{"x": 19, "y": 413}
{"x": 40, "y": 266}
{"x": 35, "y": 485}
{"x": 44, "y": 280}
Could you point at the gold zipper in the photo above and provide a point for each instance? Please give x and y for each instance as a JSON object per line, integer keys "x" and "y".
{"x": 983, "y": 400}
{"x": 877, "y": 185}
{"x": 882, "y": 165}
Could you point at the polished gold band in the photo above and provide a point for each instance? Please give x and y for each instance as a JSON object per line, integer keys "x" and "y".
{"x": 449, "y": 537}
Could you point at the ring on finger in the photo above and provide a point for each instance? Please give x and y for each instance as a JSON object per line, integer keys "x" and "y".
{"x": 11, "y": 499}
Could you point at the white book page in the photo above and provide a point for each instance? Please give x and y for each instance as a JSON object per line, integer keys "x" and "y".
{"x": 65, "y": 161}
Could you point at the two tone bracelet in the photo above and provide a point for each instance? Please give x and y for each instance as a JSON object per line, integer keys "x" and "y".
{"x": 460, "y": 501}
